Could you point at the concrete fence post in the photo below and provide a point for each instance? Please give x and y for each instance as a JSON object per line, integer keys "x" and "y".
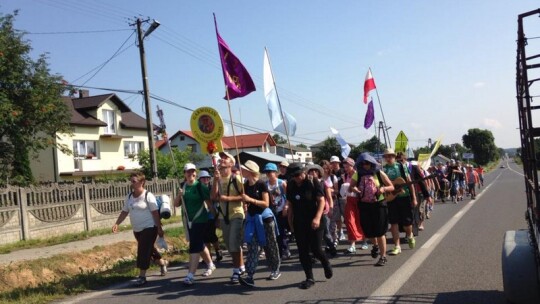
{"x": 23, "y": 205}
{"x": 87, "y": 210}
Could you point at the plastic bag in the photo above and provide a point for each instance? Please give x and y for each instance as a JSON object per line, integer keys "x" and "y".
{"x": 162, "y": 244}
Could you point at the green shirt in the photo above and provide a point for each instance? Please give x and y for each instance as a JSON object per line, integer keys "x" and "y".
{"x": 393, "y": 172}
{"x": 194, "y": 201}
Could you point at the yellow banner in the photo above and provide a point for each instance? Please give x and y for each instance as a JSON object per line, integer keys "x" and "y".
{"x": 436, "y": 146}
{"x": 207, "y": 128}
{"x": 424, "y": 160}
{"x": 401, "y": 142}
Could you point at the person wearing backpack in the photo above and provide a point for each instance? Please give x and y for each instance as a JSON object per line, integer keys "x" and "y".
{"x": 210, "y": 237}
{"x": 260, "y": 227}
{"x": 278, "y": 190}
{"x": 142, "y": 208}
{"x": 227, "y": 189}
{"x": 400, "y": 210}
{"x": 370, "y": 184}
{"x": 193, "y": 196}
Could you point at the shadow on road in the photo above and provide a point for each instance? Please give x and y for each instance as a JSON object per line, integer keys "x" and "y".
{"x": 466, "y": 297}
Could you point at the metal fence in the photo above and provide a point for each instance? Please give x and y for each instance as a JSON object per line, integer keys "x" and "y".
{"x": 52, "y": 210}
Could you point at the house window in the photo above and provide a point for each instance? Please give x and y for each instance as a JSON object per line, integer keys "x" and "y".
{"x": 182, "y": 137}
{"x": 85, "y": 149}
{"x": 109, "y": 117}
{"x": 193, "y": 148}
{"x": 132, "y": 148}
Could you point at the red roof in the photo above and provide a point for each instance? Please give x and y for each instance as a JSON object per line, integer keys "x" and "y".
{"x": 248, "y": 141}
{"x": 160, "y": 143}
{"x": 186, "y": 133}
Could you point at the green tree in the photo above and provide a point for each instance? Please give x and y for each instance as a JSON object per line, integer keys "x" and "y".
{"x": 301, "y": 145}
{"x": 31, "y": 110}
{"x": 372, "y": 145}
{"x": 482, "y": 144}
{"x": 329, "y": 147}
{"x": 280, "y": 140}
{"x": 165, "y": 164}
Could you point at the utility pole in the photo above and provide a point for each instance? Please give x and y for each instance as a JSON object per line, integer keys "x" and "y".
{"x": 146, "y": 93}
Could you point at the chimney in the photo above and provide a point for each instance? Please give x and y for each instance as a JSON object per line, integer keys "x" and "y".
{"x": 84, "y": 93}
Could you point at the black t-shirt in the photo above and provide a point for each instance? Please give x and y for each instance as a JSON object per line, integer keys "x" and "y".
{"x": 255, "y": 191}
{"x": 303, "y": 199}
{"x": 283, "y": 177}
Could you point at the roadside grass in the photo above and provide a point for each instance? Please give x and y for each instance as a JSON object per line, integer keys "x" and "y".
{"x": 89, "y": 279}
{"x": 70, "y": 237}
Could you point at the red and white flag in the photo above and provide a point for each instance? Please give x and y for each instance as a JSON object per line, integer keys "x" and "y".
{"x": 369, "y": 85}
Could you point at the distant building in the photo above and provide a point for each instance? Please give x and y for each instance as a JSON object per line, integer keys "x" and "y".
{"x": 300, "y": 154}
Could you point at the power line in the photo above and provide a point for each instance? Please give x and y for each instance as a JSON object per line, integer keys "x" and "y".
{"x": 78, "y": 32}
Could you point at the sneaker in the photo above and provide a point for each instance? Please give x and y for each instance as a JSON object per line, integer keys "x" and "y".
{"x": 261, "y": 254}
{"x": 235, "y": 278}
{"x": 163, "y": 268}
{"x": 328, "y": 272}
{"x": 412, "y": 242}
{"x": 364, "y": 246}
{"x": 219, "y": 256}
{"x": 420, "y": 228}
{"x": 395, "y": 251}
{"x": 247, "y": 281}
{"x": 382, "y": 261}
{"x": 139, "y": 281}
{"x": 188, "y": 280}
{"x": 375, "y": 251}
{"x": 208, "y": 272}
{"x": 274, "y": 276}
{"x": 286, "y": 255}
{"x": 350, "y": 250}
{"x": 307, "y": 284}
{"x": 342, "y": 237}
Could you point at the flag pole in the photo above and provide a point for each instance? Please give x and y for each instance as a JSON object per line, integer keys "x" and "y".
{"x": 382, "y": 113}
{"x": 279, "y": 104}
{"x": 234, "y": 134}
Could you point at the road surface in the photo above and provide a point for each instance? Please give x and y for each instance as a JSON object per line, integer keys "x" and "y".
{"x": 457, "y": 260}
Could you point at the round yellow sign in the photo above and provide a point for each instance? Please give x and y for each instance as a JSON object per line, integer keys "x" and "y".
{"x": 207, "y": 128}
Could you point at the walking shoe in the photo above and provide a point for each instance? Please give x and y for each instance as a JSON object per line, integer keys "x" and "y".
{"x": 307, "y": 284}
{"x": 395, "y": 251}
{"x": 163, "y": 268}
{"x": 342, "y": 237}
{"x": 261, "y": 254}
{"x": 382, "y": 261}
{"x": 412, "y": 242}
{"x": 208, "y": 272}
{"x": 328, "y": 272}
{"x": 350, "y": 250}
{"x": 139, "y": 281}
{"x": 219, "y": 256}
{"x": 274, "y": 275}
{"x": 286, "y": 255}
{"x": 247, "y": 281}
{"x": 428, "y": 214}
{"x": 188, "y": 280}
{"x": 375, "y": 251}
{"x": 235, "y": 278}
{"x": 364, "y": 246}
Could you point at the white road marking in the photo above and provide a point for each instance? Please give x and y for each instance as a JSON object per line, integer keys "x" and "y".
{"x": 387, "y": 291}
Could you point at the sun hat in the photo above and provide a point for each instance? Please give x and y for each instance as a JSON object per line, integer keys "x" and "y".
{"x": 189, "y": 166}
{"x": 389, "y": 151}
{"x": 315, "y": 167}
{"x": 366, "y": 157}
{"x": 227, "y": 155}
{"x": 349, "y": 161}
{"x": 270, "y": 167}
{"x": 334, "y": 159}
{"x": 294, "y": 169}
{"x": 284, "y": 163}
{"x": 251, "y": 166}
{"x": 204, "y": 173}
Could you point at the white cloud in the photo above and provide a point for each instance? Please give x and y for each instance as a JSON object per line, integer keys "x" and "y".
{"x": 479, "y": 84}
{"x": 416, "y": 126}
{"x": 492, "y": 123}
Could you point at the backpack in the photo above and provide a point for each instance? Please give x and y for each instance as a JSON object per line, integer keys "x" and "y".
{"x": 370, "y": 190}
{"x": 232, "y": 180}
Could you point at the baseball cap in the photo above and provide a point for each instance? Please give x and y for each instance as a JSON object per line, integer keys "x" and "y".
{"x": 334, "y": 159}
{"x": 189, "y": 166}
{"x": 270, "y": 167}
{"x": 227, "y": 155}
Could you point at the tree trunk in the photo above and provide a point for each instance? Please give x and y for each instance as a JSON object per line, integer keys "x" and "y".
{"x": 21, "y": 172}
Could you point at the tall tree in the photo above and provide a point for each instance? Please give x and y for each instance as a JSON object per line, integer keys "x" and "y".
{"x": 482, "y": 144}
{"x": 31, "y": 111}
{"x": 279, "y": 139}
{"x": 330, "y": 146}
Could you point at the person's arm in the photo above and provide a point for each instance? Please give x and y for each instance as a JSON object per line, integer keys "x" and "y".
{"x": 286, "y": 207}
{"x": 121, "y": 217}
{"x": 179, "y": 198}
{"x": 157, "y": 222}
{"x": 411, "y": 192}
{"x": 320, "y": 209}
{"x": 328, "y": 194}
{"x": 290, "y": 216}
{"x": 214, "y": 193}
{"x": 263, "y": 203}
{"x": 387, "y": 183}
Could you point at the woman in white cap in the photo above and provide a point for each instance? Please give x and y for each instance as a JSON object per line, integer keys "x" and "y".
{"x": 260, "y": 227}
{"x": 193, "y": 195}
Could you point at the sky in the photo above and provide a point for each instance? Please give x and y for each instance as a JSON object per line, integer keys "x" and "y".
{"x": 441, "y": 67}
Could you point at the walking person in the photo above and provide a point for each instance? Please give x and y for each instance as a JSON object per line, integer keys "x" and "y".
{"x": 338, "y": 213}
{"x": 306, "y": 205}
{"x": 193, "y": 195}
{"x": 210, "y": 237}
{"x": 227, "y": 189}
{"x": 142, "y": 208}
{"x": 370, "y": 183}
{"x": 277, "y": 189}
{"x": 260, "y": 228}
{"x": 472, "y": 180}
{"x": 352, "y": 214}
{"x": 400, "y": 210}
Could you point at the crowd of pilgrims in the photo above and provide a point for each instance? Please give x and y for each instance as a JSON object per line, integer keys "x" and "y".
{"x": 262, "y": 211}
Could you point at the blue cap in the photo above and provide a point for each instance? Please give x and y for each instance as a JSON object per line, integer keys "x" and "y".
{"x": 270, "y": 167}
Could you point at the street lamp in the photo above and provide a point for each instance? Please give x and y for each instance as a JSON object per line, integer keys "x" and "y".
{"x": 146, "y": 92}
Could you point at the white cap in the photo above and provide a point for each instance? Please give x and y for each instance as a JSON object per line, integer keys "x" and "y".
{"x": 334, "y": 159}
{"x": 189, "y": 166}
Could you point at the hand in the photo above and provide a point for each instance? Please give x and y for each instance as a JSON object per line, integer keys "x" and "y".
{"x": 246, "y": 198}
{"x": 217, "y": 175}
{"x": 414, "y": 203}
{"x": 315, "y": 223}
{"x": 115, "y": 228}
{"x": 160, "y": 231}
{"x": 285, "y": 212}
{"x": 429, "y": 200}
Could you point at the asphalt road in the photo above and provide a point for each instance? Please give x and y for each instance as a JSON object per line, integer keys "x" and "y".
{"x": 457, "y": 260}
